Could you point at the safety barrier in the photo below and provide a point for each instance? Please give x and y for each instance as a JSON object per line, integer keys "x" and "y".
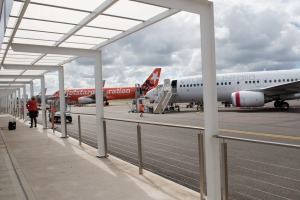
{"x": 177, "y": 153}
{"x": 224, "y": 157}
{"x": 145, "y": 150}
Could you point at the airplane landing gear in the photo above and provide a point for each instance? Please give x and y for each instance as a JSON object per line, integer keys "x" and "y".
{"x": 282, "y": 105}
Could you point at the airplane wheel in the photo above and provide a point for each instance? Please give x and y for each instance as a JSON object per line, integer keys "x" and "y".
{"x": 277, "y": 104}
{"x": 285, "y": 106}
{"x": 106, "y": 103}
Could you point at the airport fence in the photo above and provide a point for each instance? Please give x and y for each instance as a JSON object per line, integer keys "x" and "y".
{"x": 254, "y": 169}
{"x": 171, "y": 151}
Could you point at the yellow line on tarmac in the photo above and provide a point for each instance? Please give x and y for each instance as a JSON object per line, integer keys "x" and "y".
{"x": 261, "y": 134}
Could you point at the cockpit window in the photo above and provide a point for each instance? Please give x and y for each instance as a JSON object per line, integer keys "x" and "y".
{"x": 159, "y": 86}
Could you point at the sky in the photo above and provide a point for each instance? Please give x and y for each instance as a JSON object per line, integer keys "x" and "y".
{"x": 250, "y": 35}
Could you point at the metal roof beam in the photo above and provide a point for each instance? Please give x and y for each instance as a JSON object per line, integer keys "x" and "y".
{"x": 32, "y": 67}
{"x": 9, "y": 87}
{"x": 13, "y": 82}
{"x": 22, "y": 13}
{"x": 134, "y": 29}
{"x": 193, "y": 6}
{"x": 98, "y": 11}
{"x": 53, "y": 50}
{"x": 21, "y": 76}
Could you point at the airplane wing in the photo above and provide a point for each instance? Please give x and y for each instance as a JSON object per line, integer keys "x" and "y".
{"x": 282, "y": 89}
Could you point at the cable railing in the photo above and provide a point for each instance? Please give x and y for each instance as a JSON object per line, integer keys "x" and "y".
{"x": 290, "y": 193}
{"x": 176, "y": 153}
{"x": 149, "y": 146}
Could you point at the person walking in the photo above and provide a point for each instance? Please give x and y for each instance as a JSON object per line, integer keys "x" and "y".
{"x": 141, "y": 108}
{"x": 32, "y": 109}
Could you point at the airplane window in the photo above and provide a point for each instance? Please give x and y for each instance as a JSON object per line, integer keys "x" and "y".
{"x": 225, "y": 83}
{"x": 279, "y": 80}
{"x": 217, "y": 83}
{"x": 283, "y": 80}
{"x": 187, "y": 85}
{"x": 180, "y": 85}
{"x": 229, "y": 83}
{"x": 222, "y": 83}
{"x": 238, "y": 82}
{"x": 265, "y": 81}
{"x": 191, "y": 85}
{"x": 201, "y": 84}
{"x": 274, "y": 81}
{"x": 270, "y": 81}
{"x": 246, "y": 82}
{"x": 249, "y": 82}
{"x": 194, "y": 85}
{"x": 288, "y": 80}
{"x": 292, "y": 79}
{"x": 183, "y": 85}
{"x": 257, "y": 81}
{"x": 198, "y": 84}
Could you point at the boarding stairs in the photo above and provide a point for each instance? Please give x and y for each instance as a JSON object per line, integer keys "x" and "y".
{"x": 163, "y": 102}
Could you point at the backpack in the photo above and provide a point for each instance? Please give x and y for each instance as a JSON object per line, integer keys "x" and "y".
{"x": 12, "y": 125}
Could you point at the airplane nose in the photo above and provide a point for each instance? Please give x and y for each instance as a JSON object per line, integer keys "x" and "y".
{"x": 149, "y": 94}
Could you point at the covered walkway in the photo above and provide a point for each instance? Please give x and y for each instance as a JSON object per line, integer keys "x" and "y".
{"x": 38, "y": 164}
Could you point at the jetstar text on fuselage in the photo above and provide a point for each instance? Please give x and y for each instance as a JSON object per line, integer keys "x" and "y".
{"x": 118, "y": 91}
{"x": 79, "y": 92}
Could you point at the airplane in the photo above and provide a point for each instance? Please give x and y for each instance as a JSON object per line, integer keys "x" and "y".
{"x": 247, "y": 89}
{"x": 87, "y": 95}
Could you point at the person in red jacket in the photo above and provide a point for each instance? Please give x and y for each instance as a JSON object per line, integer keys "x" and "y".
{"x": 32, "y": 109}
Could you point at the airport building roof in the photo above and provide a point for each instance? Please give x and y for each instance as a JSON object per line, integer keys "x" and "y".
{"x": 89, "y": 24}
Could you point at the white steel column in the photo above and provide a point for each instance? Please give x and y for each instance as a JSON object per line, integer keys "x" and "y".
{"x": 212, "y": 148}
{"x": 19, "y": 103}
{"x": 43, "y": 101}
{"x": 62, "y": 101}
{"x": 99, "y": 104}
{"x": 31, "y": 89}
{"x": 15, "y": 103}
{"x": 24, "y": 102}
{"x": 10, "y": 104}
{"x": 7, "y": 104}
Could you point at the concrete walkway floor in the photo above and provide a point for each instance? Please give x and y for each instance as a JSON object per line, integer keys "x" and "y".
{"x": 38, "y": 164}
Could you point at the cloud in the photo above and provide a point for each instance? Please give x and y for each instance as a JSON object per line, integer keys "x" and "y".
{"x": 251, "y": 35}
{"x": 256, "y": 39}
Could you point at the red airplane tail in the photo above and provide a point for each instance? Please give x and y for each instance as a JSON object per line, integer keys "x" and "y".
{"x": 151, "y": 81}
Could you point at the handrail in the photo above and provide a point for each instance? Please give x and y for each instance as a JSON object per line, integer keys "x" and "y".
{"x": 81, "y": 113}
{"x": 147, "y": 122}
{"x": 156, "y": 123}
{"x": 257, "y": 141}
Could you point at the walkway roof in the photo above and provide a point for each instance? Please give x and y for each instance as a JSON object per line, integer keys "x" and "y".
{"x": 88, "y": 24}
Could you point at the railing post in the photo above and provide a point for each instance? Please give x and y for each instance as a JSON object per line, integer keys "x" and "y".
{"x": 46, "y": 119}
{"x": 201, "y": 154}
{"x": 224, "y": 171}
{"x": 139, "y": 142}
{"x": 105, "y": 138}
{"x": 79, "y": 130}
{"x": 65, "y": 123}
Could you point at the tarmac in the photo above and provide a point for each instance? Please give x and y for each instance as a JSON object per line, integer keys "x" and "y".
{"x": 37, "y": 164}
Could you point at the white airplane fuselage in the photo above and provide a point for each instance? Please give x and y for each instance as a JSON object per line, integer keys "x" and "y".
{"x": 190, "y": 89}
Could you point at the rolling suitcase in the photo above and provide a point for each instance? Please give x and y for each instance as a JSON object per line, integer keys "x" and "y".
{"x": 12, "y": 125}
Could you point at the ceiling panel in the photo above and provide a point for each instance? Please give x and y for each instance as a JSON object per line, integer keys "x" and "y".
{"x": 70, "y": 23}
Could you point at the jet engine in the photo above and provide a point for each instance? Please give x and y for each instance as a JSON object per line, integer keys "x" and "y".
{"x": 248, "y": 99}
{"x": 86, "y": 100}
